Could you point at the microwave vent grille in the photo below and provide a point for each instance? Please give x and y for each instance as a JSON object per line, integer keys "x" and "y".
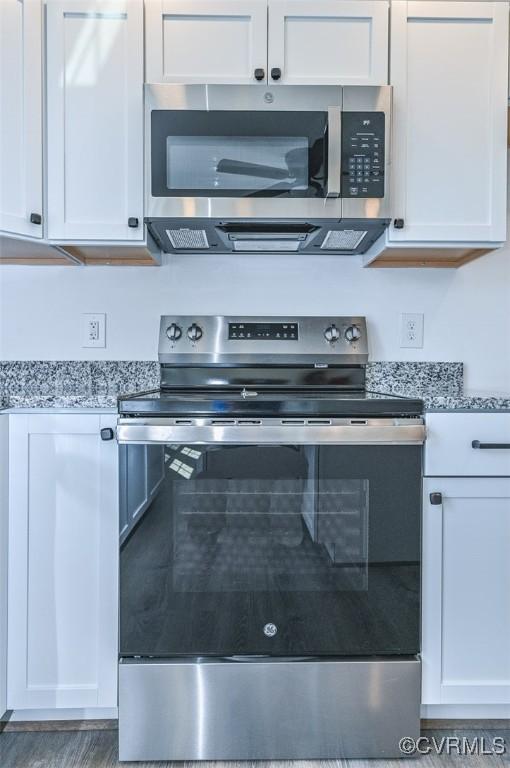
{"x": 188, "y": 239}
{"x": 342, "y": 239}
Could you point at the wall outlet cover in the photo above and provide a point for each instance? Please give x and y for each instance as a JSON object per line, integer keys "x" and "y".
{"x": 93, "y": 330}
{"x": 411, "y": 330}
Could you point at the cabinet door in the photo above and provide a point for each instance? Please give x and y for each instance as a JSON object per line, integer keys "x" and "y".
{"x": 95, "y": 119}
{"x": 63, "y": 564}
{"x": 329, "y": 42}
{"x": 466, "y": 588}
{"x": 449, "y": 73}
{"x": 206, "y": 41}
{"x": 4, "y": 528}
{"x": 20, "y": 116}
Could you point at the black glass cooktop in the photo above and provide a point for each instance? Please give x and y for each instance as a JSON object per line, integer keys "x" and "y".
{"x": 268, "y": 403}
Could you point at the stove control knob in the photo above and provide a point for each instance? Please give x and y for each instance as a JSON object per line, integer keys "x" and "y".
{"x": 174, "y": 332}
{"x": 195, "y": 332}
{"x": 353, "y": 333}
{"x": 332, "y": 334}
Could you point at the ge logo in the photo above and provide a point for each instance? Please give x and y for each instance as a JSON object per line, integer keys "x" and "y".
{"x": 270, "y": 630}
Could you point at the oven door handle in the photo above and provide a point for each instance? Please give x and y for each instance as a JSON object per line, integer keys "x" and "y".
{"x": 344, "y": 434}
{"x": 334, "y": 152}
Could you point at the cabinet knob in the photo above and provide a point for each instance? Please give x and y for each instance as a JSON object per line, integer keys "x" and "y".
{"x": 276, "y": 73}
{"x": 436, "y": 499}
{"x": 107, "y": 433}
{"x": 259, "y": 74}
{"x": 35, "y": 218}
{"x": 133, "y": 222}
{"x": 398, "y": 223}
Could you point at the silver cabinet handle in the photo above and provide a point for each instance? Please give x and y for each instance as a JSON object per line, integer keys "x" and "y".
{"x": 490, "y": 446}
{"x": 334, "y": 151}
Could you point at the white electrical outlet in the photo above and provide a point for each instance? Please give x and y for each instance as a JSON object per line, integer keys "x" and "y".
{"x": 93, "y": 330}
{"x": 411, "y": 330}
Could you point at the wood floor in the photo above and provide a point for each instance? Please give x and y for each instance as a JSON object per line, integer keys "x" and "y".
{"x": 98, "y": 749}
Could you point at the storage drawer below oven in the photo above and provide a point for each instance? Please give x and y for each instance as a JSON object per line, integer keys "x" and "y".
{"x": 260, "y": 709}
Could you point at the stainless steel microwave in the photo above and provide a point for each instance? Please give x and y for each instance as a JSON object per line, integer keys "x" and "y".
{"x": 254, "y": 168}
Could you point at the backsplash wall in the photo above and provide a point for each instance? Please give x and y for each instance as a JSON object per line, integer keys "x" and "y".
{"x": 467, "y": 311}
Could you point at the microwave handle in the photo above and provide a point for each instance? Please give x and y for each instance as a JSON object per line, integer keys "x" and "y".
{"x": 334, "y": 151}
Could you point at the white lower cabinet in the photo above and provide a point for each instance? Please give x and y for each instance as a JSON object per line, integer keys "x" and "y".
{"x": 466, "y": 590}
{"x": 4, "y": 518}
{"x": 63, "y": 562}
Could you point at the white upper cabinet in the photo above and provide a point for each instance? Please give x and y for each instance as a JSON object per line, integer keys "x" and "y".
{"x": 449, "y": 70}
{"x": 95, "y": 119}
{"x": 328, "y": 42}
{"x": 21, "y": 196}
{"x": 206, "y": 41}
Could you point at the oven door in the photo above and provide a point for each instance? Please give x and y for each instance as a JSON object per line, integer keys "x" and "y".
{"x": 237, "y": 152}
{"x": 280, "y": 549}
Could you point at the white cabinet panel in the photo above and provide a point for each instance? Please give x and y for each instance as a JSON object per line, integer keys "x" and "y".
{"x": 95, "y": 119}
{"x": 4, "y": 529}
{"x": 466, "y": 584}
{"x": 449, "y": 445}
{"x": 329, "y": 42}
{"x": 449, "y": 72}
{"x": 63, "y": 563}
{"x": 205, "y": 41}
{"x": 20, "y": 116}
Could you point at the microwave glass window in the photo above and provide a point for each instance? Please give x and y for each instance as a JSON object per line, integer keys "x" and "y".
{"x": 237, "y": 163}
{"x": 201, "y": 153}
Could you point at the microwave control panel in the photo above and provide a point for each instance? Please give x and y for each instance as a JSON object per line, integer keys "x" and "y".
{"x": 363, "y": 154}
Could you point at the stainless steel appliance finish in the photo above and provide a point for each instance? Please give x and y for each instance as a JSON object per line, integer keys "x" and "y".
{"x": 191, "y": 340}
{"x": 261, "y": 709}
{"x": 183, "y": 216}
{"x": 250, "y": 431}
{"x": 270, "y": 587}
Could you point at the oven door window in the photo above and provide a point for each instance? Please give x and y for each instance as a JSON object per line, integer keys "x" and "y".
{"x": 238, "y": 154}
{"x": 280, "y": 551}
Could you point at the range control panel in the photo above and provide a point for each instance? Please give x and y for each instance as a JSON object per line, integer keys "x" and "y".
{"x": 363, "y": 154}
{"x": 264, "y": 331}
{"x": 222, "y": 340}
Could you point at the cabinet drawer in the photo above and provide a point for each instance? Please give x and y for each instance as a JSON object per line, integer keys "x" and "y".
{"x": 449, "y": 446}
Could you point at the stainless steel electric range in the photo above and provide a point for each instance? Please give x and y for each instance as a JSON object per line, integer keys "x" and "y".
{"x": 270, "y": 547}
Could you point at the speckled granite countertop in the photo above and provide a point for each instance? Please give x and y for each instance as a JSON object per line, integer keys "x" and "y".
{"x": 60, "y": 402}
{"x": 81, "y": 385}
{"x": 71, "y": 384}
{"x": 439, "y": 385}
{"x": 434, "y": 401}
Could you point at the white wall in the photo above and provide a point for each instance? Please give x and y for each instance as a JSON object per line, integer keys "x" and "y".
{"x": 467, "y": 311}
